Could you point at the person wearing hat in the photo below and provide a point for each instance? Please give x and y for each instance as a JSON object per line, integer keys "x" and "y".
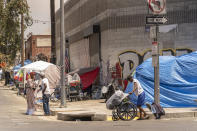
{"x": 139, "y": 92}
{"x": 45, "y": 93}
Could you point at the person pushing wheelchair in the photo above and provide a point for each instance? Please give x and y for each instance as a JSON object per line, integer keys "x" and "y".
{"x": 139, "y": 92}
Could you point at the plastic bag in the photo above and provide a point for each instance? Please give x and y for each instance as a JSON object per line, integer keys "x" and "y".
{"x": 115, "y": 99}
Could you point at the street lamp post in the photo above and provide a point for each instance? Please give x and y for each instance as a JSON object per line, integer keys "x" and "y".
{"x": 62, "y": 54}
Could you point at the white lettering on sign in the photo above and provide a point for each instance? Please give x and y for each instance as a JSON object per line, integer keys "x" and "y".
{"x": 157, "y": 20}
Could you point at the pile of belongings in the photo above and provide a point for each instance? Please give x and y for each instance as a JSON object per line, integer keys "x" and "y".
{"x": 72, "y": 80}
{"x": 115, "y": 99}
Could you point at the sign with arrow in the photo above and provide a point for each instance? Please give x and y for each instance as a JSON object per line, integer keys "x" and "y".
{"x": 155, "y": 20}
{"x": 157, "y": 6}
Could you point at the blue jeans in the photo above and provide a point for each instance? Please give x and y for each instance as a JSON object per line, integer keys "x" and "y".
{"x": 46, "y": 104}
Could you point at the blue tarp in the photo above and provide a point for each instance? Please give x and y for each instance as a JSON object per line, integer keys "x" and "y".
{"x": 17, "y": 67}
{"x": 178, "y": 80}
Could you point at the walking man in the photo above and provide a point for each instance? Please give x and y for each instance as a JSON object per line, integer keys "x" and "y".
{"x": 45, "y": 93}
{"x": 139, "y": 92}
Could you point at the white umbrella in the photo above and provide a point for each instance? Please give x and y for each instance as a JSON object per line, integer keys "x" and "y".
{"x": 37, "y": 66}
{"x": 51, "y": 71}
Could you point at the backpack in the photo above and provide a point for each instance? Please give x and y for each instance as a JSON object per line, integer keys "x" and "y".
{"x": 157, "y": 110}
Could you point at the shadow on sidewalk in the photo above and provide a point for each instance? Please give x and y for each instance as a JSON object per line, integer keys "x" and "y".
{"x": 32, "y": 115}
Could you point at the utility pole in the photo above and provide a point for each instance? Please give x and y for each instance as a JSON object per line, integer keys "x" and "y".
{"x": 22, "y": 40}
{"x": 53, "y": 41}
{"x": 156, "y": 71}
{"x": 157, "y": 9}
{"x": 22, "y": 46}
{"x": 62, "y": 54}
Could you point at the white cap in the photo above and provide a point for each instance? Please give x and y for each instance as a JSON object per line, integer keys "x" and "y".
{"x": 42, "y": 74}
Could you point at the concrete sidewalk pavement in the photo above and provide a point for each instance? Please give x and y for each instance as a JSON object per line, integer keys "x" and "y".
{"x": 96, "y": 109}
{"x": 92, "y": 108}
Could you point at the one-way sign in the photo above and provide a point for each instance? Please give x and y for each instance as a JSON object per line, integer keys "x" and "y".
{"x": 155, "y": 20}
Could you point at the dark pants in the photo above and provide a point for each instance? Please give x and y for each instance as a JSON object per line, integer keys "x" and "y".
{"x": 7, "y": 81}
{"x": 46, "y": 104}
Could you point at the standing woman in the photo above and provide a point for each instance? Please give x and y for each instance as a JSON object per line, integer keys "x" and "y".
{"x": 30, "y": 90}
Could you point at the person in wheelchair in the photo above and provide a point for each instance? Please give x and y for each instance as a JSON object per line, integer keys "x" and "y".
{"x": 139, "y": 92}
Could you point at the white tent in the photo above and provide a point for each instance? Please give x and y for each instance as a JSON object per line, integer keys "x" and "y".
{"x": 37, "y": 66}
{"x": 51, "y": 71}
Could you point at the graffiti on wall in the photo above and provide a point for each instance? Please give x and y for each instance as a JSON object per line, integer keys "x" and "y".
{"x": 129, "y": 60}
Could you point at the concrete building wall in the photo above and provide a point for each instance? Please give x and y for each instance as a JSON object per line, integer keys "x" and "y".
{"x": 124, "y": 36}
{"x": 94, "y": 50}
{"x": 79, "y": 54}
{"x": 132, "y": 46}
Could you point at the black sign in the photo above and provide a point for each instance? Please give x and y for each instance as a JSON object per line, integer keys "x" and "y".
{"x": 155, "y": 20}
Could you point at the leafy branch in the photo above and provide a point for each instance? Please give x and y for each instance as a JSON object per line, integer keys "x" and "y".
{"x": 10, "y": 14}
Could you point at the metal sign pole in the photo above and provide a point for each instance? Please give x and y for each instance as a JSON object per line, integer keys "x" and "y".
{"x": 158, "y": 8}
{"x": 156, "y": 72}
{"x": 62, "y": 55}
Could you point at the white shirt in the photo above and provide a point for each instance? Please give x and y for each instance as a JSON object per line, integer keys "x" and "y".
{"x": 139, "y": 89}
{"x": 45, "y": 81}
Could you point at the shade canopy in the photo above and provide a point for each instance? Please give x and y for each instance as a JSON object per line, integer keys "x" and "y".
{"x": 37, "y": 66}
{"x": 51, "y": 71}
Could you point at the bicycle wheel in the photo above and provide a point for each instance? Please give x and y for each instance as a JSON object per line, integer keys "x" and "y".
{"x": 115, "y": 115}
{"x": 127, "y": 111}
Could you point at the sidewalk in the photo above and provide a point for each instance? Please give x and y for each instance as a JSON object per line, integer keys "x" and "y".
{"x": 97, "y": 109}
{"x": 91, "y": 107}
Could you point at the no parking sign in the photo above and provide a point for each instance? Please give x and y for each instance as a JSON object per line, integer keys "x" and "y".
{"x": 157, "y": 6}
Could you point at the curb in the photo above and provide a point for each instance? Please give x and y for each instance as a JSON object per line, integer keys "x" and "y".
{"x": 175, "y": 115}
{"x": 180, "y": 115}
{"x": 75, "y": 114}
{"x": 81, "y": 115}
{"x": 55, "y": 112}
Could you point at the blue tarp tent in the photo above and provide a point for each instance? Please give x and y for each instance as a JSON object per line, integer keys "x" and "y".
{"x": 17, "y": 67}
{"x": 178, "y": 80}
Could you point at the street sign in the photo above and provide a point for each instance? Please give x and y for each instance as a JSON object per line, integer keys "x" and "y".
{"x": 154, "y": 48}
{"x": 157, "y": 6}
{"x": 158, "y": 20}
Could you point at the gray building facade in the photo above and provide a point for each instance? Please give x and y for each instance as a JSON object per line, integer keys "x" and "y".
{"x": 114, "y": 31}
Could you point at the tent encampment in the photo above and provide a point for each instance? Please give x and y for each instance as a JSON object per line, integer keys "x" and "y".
{"x": 17, "y": 67}
{"x": 178, "y": 80}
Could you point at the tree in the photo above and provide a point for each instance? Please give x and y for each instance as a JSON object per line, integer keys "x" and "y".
{"x": 42, "y": 57}
{"x": 10, "y": 26}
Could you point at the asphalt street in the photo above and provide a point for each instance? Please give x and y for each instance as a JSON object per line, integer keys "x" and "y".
{"x": 13, "y": 118}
